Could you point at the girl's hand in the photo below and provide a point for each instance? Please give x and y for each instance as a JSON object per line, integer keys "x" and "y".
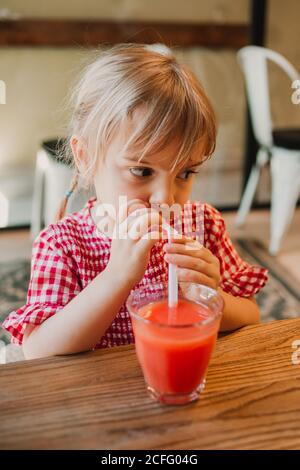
{"x": 136, "y": 231}
{"x": 195, "y": 262}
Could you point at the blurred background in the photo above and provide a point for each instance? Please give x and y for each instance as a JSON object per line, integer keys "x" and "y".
{"x": 42, "y": 48}
{"x": 38, "y": 73}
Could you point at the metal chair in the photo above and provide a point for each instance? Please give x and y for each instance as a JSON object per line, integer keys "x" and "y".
{"x": 280, "y": 146}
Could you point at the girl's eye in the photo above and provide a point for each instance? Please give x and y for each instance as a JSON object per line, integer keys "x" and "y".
{"x": 186, "y": 174}
{"x": 141, "y": 172}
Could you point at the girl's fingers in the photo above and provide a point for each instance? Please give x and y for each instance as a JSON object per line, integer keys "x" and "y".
{"x": 135, "y": 205}
{"x": 136, "y": 223}
{"x": 193, "y": 248}
{"x": 180, "y": 239}
{"x": 189, "y": 275}
{"x": 133, "y": 216}
{"x": 130, "y": 206}
{"x": 141, "y": 225}
{"x": 149, "y": 239}
{"x": 190, "y": 262}
{"x": 140, "y": 212}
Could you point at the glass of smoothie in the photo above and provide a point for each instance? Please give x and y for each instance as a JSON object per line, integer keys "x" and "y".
{"x": 174, "y": 344}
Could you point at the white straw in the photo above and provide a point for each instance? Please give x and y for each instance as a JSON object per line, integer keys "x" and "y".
{"x": 173, "y": 280}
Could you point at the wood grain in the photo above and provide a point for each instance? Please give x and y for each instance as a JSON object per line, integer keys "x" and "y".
{"x": 98, "y": 400}
{"x": 90, "y": 33}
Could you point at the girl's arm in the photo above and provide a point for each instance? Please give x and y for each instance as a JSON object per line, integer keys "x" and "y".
{"x": 238, "y": 312}
{"x": 80, "y": 324}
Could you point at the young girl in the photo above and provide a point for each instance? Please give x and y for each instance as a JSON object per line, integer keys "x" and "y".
{"x": 142, "y": 126}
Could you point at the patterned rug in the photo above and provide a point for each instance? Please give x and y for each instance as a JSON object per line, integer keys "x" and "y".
{"x": 278, "y": 300}
{"x": 14, "y": 279}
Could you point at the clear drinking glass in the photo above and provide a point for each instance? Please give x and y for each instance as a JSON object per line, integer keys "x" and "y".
{"x": 174, "y": 345}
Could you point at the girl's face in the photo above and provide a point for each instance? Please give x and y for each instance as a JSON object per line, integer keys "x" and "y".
{"x": 153, "y": 181}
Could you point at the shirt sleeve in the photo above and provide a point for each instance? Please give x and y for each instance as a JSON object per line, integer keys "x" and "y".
{"x": 238, "y": 278}
{"x": 53, "y": 283}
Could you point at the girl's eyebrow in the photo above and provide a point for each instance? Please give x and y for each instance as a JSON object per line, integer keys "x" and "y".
{"x": 146, "y": 162}
{"x": 194, "y": 165}
{"x": 133, "y": 159}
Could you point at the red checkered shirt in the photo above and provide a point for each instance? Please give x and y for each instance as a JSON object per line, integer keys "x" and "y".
{"x": 68, "y": 255}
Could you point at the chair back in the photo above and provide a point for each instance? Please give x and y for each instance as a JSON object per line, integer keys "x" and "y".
{"x": 253, "y": 61}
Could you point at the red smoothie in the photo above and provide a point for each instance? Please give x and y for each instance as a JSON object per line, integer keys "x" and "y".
{"x": 173, "y": 350}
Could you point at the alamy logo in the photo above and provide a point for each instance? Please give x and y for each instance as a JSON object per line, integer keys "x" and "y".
{"x": 143, "y": 222}
{"x": 2, "y": 92}
{"x": 2, "y": 352}
{"x": 296, "y": 95}
{"x": 296, "y": 354}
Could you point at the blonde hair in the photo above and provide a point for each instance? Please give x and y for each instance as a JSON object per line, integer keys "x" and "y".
{"x": 125, "y": 78}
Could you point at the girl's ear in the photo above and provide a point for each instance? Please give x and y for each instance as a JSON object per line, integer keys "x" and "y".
{"x": 79, "y": 151}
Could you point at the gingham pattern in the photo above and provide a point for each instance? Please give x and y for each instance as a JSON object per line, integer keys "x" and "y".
{"x": 68, "y": 255}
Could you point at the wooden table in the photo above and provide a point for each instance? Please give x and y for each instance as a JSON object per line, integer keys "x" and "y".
{"x": 98, "y": 400}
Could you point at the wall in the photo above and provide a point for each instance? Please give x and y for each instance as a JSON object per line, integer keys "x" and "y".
{"x": 38, "y": 79}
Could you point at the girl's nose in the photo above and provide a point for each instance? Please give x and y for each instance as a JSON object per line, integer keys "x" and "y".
{"x": 162, "y": 195}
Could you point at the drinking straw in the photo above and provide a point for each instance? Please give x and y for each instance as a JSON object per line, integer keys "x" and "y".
{"x": 173, "y": 280}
